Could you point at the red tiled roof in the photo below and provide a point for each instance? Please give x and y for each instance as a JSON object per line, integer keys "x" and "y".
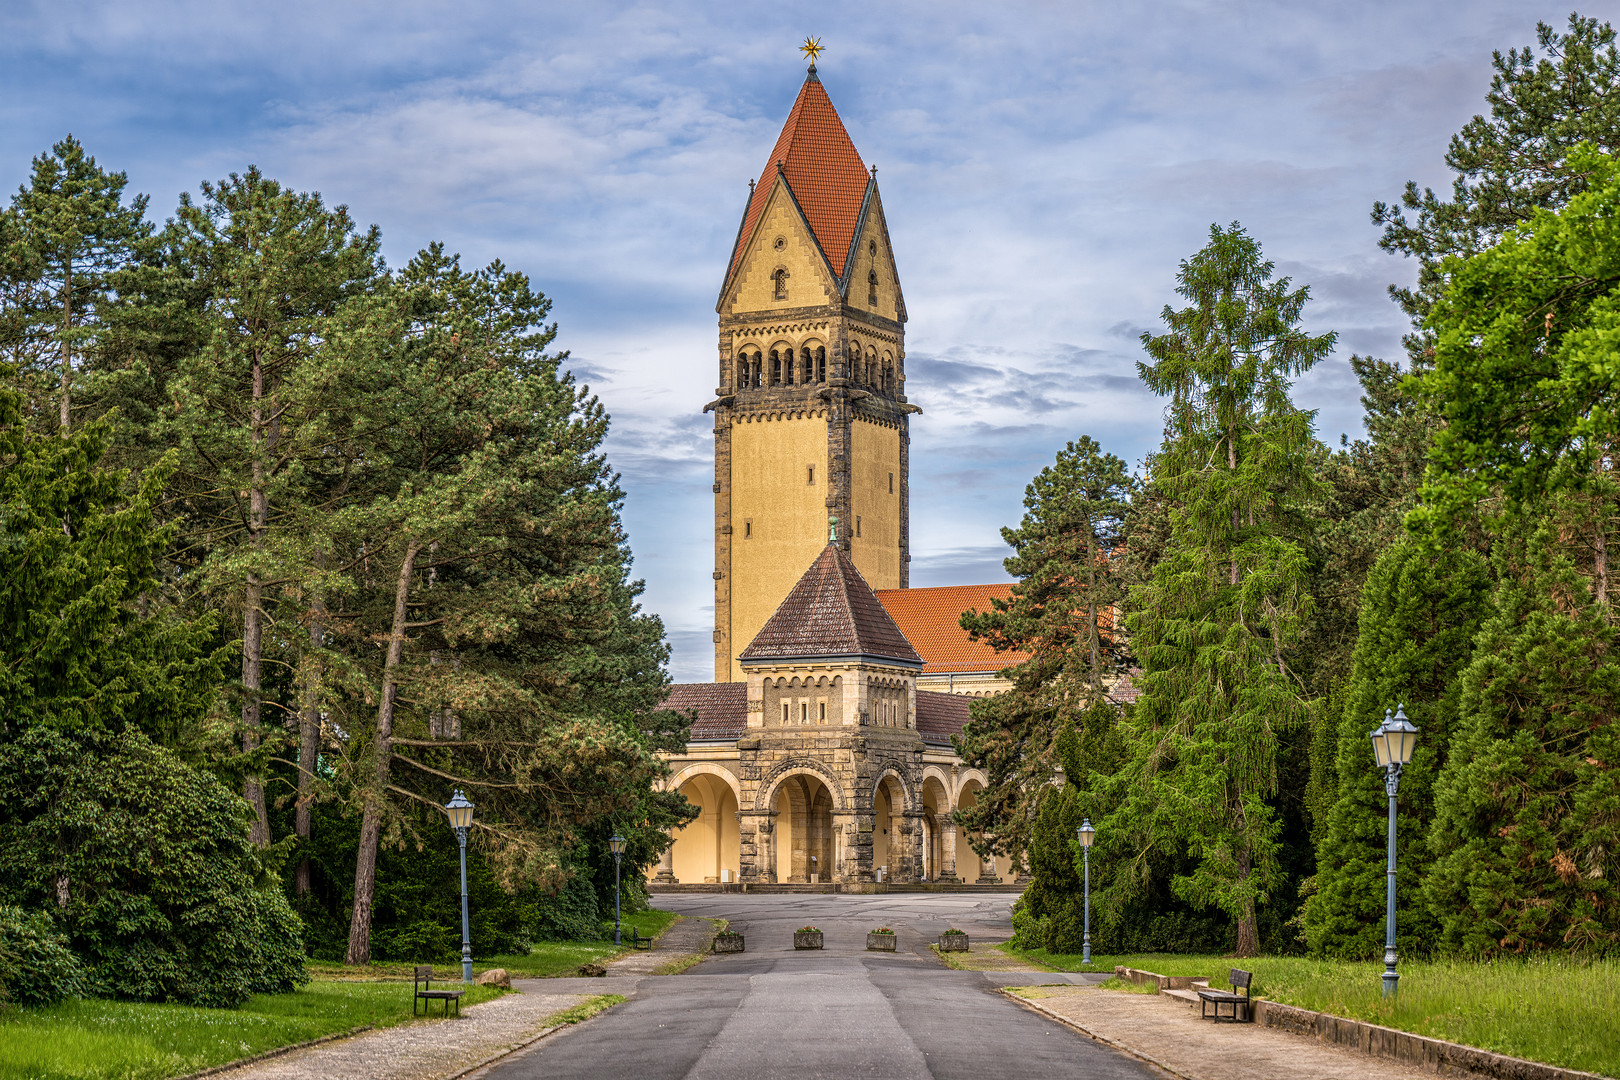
{"x": 931, "y": 621}
{"x": 832, "y": 611}
{"x": 939, "y": 716}
{"x": 823, "y": 169}
{"x": 722, "y": 708}
{"x": 1127, "y": 690}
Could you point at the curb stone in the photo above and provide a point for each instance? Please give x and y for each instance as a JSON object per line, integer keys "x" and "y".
{"x": 214, "y": 1070}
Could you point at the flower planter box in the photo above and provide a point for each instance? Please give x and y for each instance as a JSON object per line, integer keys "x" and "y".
{"x": 953, "y": 943}
{"x": 728, "y": 942}
{"x": 880, "y": 942}
{"x": 802, "y": 940}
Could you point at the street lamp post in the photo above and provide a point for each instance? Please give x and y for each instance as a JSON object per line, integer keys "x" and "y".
{"x": 1087, "y": 834}
{"x": 617, "y": 844}
{"x": 461, "y": 814}
{"x": 1393, "y": 743}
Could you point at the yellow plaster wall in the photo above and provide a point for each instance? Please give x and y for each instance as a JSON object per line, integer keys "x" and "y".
{"x": 809, "y": 281}
{"x": 711, "y": 842}
{"x": 888, "y": 293}
{"x": 874, "y": 454}
{"x": 768, "y": 488}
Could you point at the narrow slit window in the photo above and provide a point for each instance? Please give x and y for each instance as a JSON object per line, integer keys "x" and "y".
{"x": 891, "y": 483}
{"x": 821, "y": 712}
{"x": 784, "y": 712}
{"x": 748, "y": 530}
{"x": 809, "y": 474}
{"x": 857, "y": 524}
{"x": 804, "y": 712}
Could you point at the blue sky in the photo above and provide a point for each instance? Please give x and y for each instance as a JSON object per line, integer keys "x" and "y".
{"x": 1044, "y": 167}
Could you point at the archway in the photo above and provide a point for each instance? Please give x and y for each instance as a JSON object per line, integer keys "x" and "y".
{"x": 890, "y": 851}
{"x": 969, "y": 867}
{"x": 805, "y": 850}
{"x": 939, "y": 835}
{"x": 708, "y": 849}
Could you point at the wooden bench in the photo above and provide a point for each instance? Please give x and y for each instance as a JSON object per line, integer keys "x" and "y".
{"x": 1240, "y": 980}
{"x": 628, "y": 935}
{"x": 427, "y": 995}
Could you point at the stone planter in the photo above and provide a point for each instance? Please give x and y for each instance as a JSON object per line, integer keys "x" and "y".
{"x": 880, "y": 942}
{"x": 953, "y": 943}
{"x": 728, "y": 942}
{"x": 803, "y": 940}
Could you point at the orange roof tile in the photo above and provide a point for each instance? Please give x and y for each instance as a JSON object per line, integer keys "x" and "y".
{"x": 930, "y": 619}
{"x": 824, "y": 171}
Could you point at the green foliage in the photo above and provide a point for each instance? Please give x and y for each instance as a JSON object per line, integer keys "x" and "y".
{"x": 78, "y": 559}
{"x": 146, "y": 862}
{"x": 1527, "y": 828}
{"x": 1227, "y": 603}
{"x": 1060, "y": 615}
{"x": 36, "y": 965}
{"x": 1419, "y": 614}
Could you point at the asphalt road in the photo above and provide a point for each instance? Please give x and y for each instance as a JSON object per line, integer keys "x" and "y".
{"x": 841, "y": 1012}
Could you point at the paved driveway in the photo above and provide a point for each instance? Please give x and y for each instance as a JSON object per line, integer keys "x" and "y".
{"x": 842, "y": 1012}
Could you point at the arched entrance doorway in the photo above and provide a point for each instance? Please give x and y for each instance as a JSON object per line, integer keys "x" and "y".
{"x": 969, "y": 867}
{"x": 805, "y": 850}
{"x": 939, "y": 836}
{"x": 708, "y": 848}
{"x": 889, "y": 846}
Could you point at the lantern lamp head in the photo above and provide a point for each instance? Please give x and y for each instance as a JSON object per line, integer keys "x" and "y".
{"x": 616, "y": 843}
{"x": 460, "y": 811}
{"x": 1395, "y": 739}
{"x": 1086, "y": 832}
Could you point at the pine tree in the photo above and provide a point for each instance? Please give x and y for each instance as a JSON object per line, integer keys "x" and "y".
{"x": 1226, "y": 606}
{"x": 1060, "y": 613}
{"x": 73, "y": 236}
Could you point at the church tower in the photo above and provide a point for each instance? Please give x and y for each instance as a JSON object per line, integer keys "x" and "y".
{"x": 811, "y": 418}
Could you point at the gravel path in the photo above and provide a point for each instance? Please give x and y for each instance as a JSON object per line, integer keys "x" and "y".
{"x": 1170, "y": 1033}
{"x": 683, "y": 939}
{"x": 423, "y": 1050}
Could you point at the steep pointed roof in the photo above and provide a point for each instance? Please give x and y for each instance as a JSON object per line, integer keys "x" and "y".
{"x": 832, "y": 611}
{"x": 823, "y": 170}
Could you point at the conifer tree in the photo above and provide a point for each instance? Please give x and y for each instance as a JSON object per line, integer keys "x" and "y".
{"x": 1215, "y": 626}
{"x": 73, "y": 234}
{"x": 1419, "y": 613}
{"x": 1060, "y": 613}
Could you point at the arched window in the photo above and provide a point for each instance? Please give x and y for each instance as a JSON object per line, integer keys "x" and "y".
{"x": 888, "y": 374}
{"x": 779, "y": 278}
{"x": 807, "y": 371}
{"x": 854, "y": 371}
{"x": 871, "y": 288}
{"x": 821, "y": 363}
{"x": 742, "y": 372}
{"x": 759, "y": 371}
{"x": 776, "y": 367}
{"x": 871, "y": 367}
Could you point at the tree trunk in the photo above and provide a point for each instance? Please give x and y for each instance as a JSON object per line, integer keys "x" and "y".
{"x": 309, "y": 737}
{"x": 253, "y": 618}
{"x": 67, "y": 347}
{"x": 365, "y": 867}
{"x": 1248, "y": 926}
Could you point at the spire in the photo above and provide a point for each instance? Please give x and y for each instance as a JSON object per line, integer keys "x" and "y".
{"x": 819, "y": 162}
{"x": 831, "y": 612}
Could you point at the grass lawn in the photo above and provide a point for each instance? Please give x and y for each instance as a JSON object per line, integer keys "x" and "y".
{"x": 545, "y": 960}
{"x": 117, "y": 1040}
{"x": 1558, "y": 1010}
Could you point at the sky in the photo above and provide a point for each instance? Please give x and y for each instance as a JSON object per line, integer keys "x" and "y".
{"x": 1044, "y": 168}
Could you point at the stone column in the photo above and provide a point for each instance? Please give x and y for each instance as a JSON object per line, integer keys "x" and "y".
{"x": 758, "y": 845}
{"x": 987, "y": 871}
{"x": 666, "y": 865}
{"x": 911, "y": 831}
{"x": 947, "y": 851}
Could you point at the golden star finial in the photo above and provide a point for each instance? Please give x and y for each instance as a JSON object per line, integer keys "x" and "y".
{"x": 811, "y": 48}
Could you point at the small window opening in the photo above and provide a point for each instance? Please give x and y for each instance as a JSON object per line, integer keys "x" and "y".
{"x": 776, "y": 368}
{"x": 780, "y": 279}
{"x": 784, "y": 712}
{"x": 871, "y": 247}
{"x": 809, "y": 474}
{"x": 857, "y": 524}
{"x": 748, "y": 530}
{"x": 821, "y": 712}
{"x": 821, "y": 364}
{"x": 891, "y": 483}
{"x": 871, "y": 287}
{"x": 804, "y": 712}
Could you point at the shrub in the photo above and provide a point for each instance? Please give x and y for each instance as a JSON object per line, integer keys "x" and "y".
{"x": 36, "y": 965}
{"x": 148, "y": 864}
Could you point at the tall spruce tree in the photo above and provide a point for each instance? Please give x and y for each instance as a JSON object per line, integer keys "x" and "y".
{"x": 1060, "y": 613}
{"x": 1215, "y": 626}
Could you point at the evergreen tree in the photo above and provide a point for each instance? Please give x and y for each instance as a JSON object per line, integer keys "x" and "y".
{"x": 1060, "y": 613}
{"x": 1419, "y": 613}
{"x": 73, "y": 235}
{"x": 1226, "y": 606}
